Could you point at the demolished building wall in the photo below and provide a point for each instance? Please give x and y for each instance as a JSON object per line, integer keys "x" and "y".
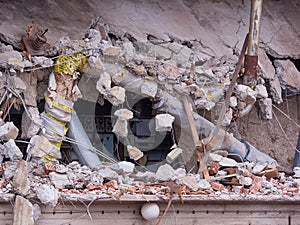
{"x": 162, "y": 71}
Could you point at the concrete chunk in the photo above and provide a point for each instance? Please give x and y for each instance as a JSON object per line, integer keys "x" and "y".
{"x": 120, "y": 128}
{"x": 245, "y": 93}
{"x": 128, "y": 167}
{"x": 227, "y": 162}
{"x": 30, "y": 123}
{"x": 13, "y": 151}
{"x": 47, "y": 194}
{"x": 23, "y": 212}
{"x": 134, "y": 153}
{"x": 39, "y": 146}
{"x": 173, "y": 155}
{"x": 124, "y": 114}
{"x": 288, "y": 74}
{"x": 163, "y": 122}
{"x": 265, "y": 106}
{"x": 59, "y": 180}
{"x": 103, "y": 85}
{"x": 261, "y": 91}
{"x": 190, "y": 182}
{"x": 21, "y": 182}
{"x": 118, "y": 95}
{"x": 165, "y": 173}
{"x": 8, "y": 131}
{"x": 265, "y": 64}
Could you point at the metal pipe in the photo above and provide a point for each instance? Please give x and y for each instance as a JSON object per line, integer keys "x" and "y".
{"x": 251, "y": 58}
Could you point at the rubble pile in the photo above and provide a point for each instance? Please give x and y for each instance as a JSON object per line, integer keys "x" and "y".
{"x": 50, "y": 182}
{"x": 161, "y": 71}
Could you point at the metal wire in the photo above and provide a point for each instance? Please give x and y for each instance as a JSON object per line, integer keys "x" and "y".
{"x": 284, "y": 133}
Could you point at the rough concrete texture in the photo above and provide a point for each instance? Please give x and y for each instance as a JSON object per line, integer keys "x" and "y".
{"x": 216, "y": 28}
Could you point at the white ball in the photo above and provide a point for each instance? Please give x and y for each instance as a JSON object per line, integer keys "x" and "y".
{"x": 150, "y": 211}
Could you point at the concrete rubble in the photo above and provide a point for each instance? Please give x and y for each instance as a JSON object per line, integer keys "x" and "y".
{"x": 161, "y": 71}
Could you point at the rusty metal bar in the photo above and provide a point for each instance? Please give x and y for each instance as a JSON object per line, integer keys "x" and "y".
{"x": 251, "y": 59}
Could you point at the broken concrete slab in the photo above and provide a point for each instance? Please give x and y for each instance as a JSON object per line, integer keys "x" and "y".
{"x": 47, "y": 194}
{"x": 31, "y": 122}
{"x": 39, "y": 146}
{"x": 163, "y": 122}
{"x": 8, "y": 131}
{"x": 21, "y": 183}
{"x": 288, "y": 74}
{"x": 23, "y": 211}
{"x": 265, "y": 64}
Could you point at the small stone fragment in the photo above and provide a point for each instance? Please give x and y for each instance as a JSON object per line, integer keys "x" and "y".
{"x": 163, "y": 122}
{"x": 256, "y": 185}
{"x": 111, "y": 54}
{"x": 203, "y": 184}
{"x": 246, "y": 181}
{"x": 173, "y": 155}
{"x": 164, "y": 173}
{"x": 13, "y": 151}
{"x": 288, "y": 74}
{"x": 233, "y": 102}
{"x": 120, "y": 128}
{"x": 261, "y": 91}
{"x": 124, "y": 114}
{"x": 59, "y": 180}
{"x": 127, "y": 167}
{"x": 265, "y": 106}
{"x": 217, "y": 186}
{"x": 213, "y": 168}
{"x": 108, "y": 173}
{"x": 117, "y": 95}
{"x": 134, "y": 153}
{"x": 259, "y": 167}
{"x": 47, "y": 194}
{"x": 245, "y": 93}
{"x": 190, "y": 182}
{"x": 227, "y": 162}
